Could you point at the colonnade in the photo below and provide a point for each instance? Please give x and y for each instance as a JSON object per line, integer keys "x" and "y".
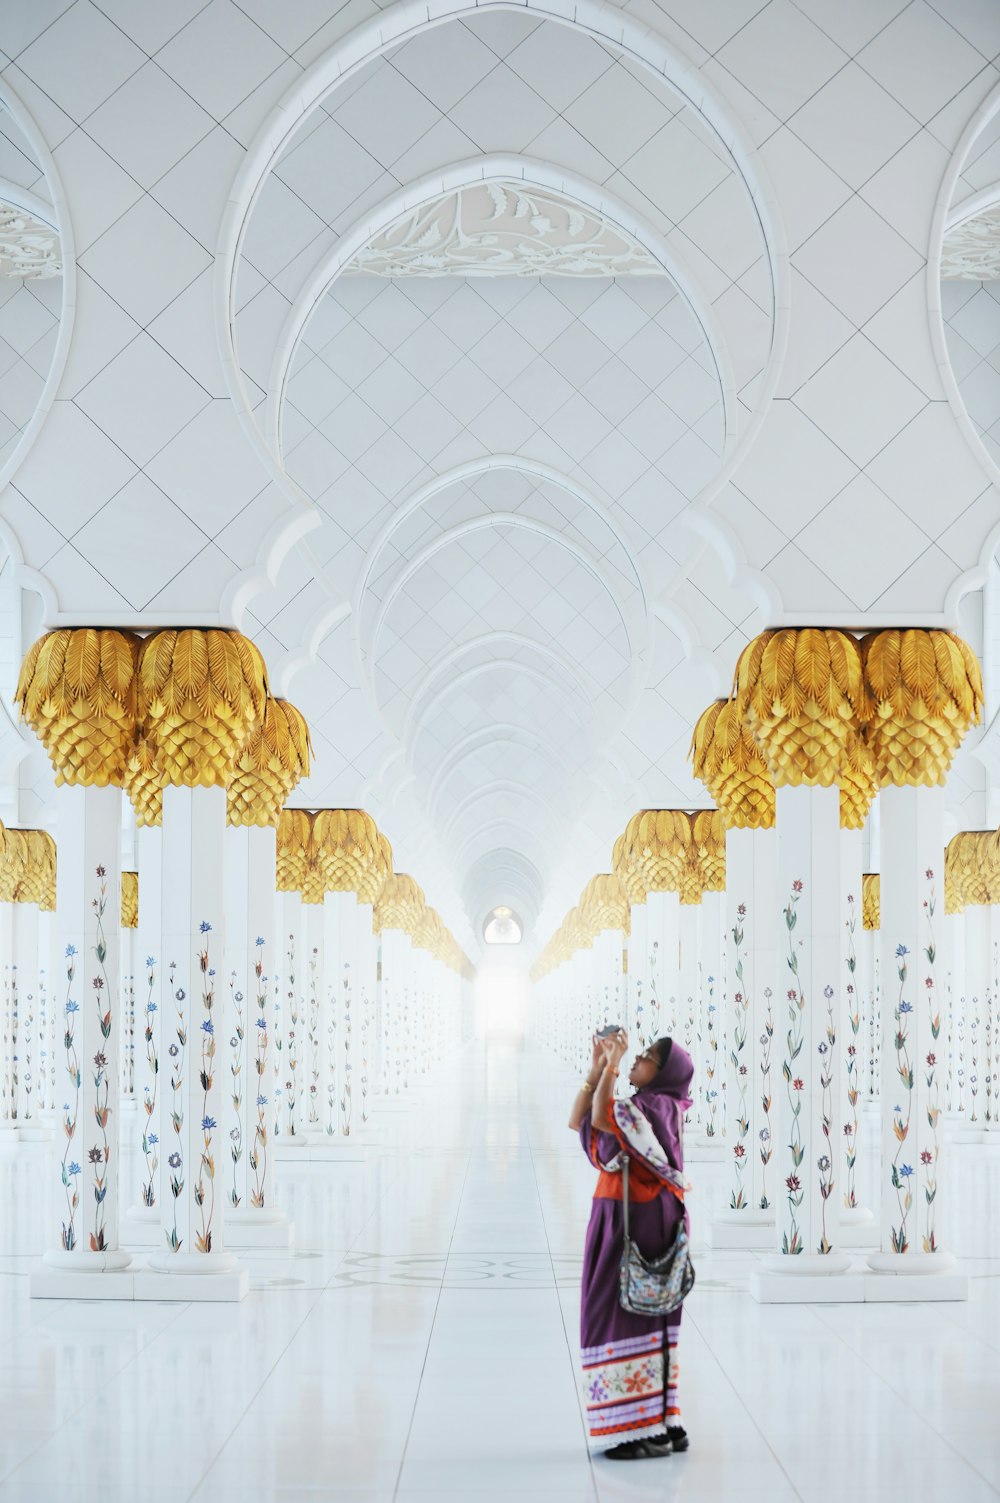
{"x": 258, "y": 987}
{"x": 853, "y": 1011}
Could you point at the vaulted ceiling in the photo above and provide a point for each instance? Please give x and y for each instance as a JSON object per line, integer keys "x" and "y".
{"x": 500, "y": 375}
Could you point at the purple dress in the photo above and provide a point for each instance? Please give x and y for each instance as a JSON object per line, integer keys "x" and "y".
{"x": 629, "y": 1361}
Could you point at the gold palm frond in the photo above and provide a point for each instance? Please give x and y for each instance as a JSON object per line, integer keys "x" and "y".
{"x": 130, "y": 900}
{"x": 144, "y": 783}
{"x": 272, "y": 759}
{"x": 201, "y": 693}
{"x": 871, "y": 900}
{"x": 802, "y": 694}
{"x": 77, "y": 691}
{"x": 294, "y": 849}
{"x": 927, "y": 690}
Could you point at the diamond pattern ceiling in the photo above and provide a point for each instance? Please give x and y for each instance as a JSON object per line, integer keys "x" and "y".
{"x": 713, "y": 468}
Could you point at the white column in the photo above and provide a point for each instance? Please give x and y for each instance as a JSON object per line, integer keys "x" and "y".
{"x": 48, "y": 976}
{"x": 686, "y": 1019}
{"x": 9, "y": 1023}
{"x": 290, "y": 1042}
{"x": 360, "y": 1047}
{"x": 953, "y": 926}
{"x": 606, "y": 961}
{"x": 317, "y": 1017}
{"x": 810, "y": 964}
{"x": 849, "y": 1134}
{"x": 129, "y": 1023}
{"x": 914, "y": 1230}
{"x": 88, "y": 895}
{"x": 395, "y": 968}
{"x": 26, "y": 1054}
{"x": 753, "y": 1072}
{"x": 662, "y": 963}
{"x": 194, "y": 1148}
{"x": 869, "y": 1043}
{"x": 972, "y": 1006}
{"x": 252, "y": 1217}
{"x": 636, "y": 959}
{"x": 710, "y": 1081}
{"x": 991, "y": 1031}
{"x": 151, "y": 1070}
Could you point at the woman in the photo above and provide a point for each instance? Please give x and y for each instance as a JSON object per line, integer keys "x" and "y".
{"x": 629, "y": 1361}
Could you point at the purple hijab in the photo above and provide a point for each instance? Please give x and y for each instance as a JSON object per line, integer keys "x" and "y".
{"x": 665, "y": 1100}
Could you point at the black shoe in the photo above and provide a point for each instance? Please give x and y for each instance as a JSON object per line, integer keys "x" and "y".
{"x": 678, "y": 1438}
{"x": 647, "y": 1449}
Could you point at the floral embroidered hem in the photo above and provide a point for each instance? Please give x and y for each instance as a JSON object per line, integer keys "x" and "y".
{"x": 624, "y": 1390}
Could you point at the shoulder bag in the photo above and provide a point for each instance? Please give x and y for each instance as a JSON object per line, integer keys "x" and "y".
{"x": 654, "y": 1286}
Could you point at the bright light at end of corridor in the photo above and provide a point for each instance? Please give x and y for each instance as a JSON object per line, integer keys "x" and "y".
{"x": 502, "y": 999}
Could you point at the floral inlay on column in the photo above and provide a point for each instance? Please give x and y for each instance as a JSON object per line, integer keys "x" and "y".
{"x": 737, "y": 1054}
{"x": 794, "y": 1083}
{"x": 204, "y": 1190}
{"x": 150, "y": 1141}
{"x": 852, "y": 1064}
{"x": 177, "y": 1052}
{"x": 926, "y": 692}
{"x": 14, "y": 995}
{"x": 237, "y": 1046}
{"x": 931, "y": 1152}
{"x": 258, "y": 1153}
{"x": 766, "y": 1100}
{"x": 345, "y": 1091}
{"x": 291, "y": 1034}
{"x": 900, "y": 1171}
{"x": 313, "y": 1036}
{"x": 100, "y": 1153}
{"x": 70, "y": 1171}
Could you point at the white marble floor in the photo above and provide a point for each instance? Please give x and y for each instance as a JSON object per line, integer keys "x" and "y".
{"x": 420, "y": 1344}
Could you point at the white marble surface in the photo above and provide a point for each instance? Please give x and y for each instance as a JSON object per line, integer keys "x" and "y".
{"x": 419, "y": 1343}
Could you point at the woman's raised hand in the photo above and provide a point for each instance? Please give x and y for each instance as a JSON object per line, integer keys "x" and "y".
{"x": 598, "y": 1054}
{"x": 615, "y": 1048}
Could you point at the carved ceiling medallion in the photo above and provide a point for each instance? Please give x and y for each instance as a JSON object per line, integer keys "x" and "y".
{"x": 504, "y": 228}
{"x": 29, "y": 248}
{"x": 971, "y": 250}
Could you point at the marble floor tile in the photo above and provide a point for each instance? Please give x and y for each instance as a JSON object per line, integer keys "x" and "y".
{"x": 417, "y": 1343}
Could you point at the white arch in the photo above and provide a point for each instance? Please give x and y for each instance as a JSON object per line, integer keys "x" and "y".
{"x": 541, "y": 473}
{"x": 513, "y": 788}
{"x": 57, "y": 213}
{"x": 459, "y": 175}
{"x": 480, "y": 670}
{"x": 501, "y": 733}
{"x": 939, "y": 224}
{"x": 489, "y": 520}
{"x": 519, "y": 642}
{"x": 395, "y": 24}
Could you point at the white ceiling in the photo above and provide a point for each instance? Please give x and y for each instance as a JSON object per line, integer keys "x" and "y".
{"x": 501, "y": 537}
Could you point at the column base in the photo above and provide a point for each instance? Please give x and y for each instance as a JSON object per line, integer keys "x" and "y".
{"x": 858, "y": 1228}
{"x": 769, "y": 1288}
{"x": 141, "y": 1227}
{"x": 34, "y": 1132}
{"x": 320, "y": 1152}
{"x": 752, "y": 1229}
{"x": 251, "y": 1229}
{"x": 293, "y": 1141}
{"x": 910, "y": 1264}
{"x": 918, "y": 1284}
{"x": 87, "y": 1263}
{"x": 704, "y": 1151}
{"x": 964, "y": 1136}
